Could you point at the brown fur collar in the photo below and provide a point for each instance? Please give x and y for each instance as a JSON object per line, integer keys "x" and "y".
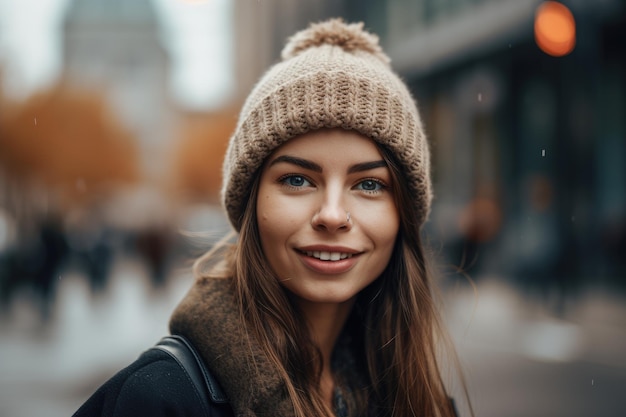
{"x": 208, "y": 317}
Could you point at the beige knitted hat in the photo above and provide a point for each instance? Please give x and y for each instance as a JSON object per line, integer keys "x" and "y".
{"x": 332, "y": 75}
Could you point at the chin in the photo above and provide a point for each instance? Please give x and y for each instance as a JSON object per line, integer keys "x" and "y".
{"x": 326, "y": 295}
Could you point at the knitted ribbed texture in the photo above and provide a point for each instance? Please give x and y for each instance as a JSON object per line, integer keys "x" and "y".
{"x": 333, "y": 75}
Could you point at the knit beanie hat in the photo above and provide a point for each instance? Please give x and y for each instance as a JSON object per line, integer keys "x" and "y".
{"x": 332, "y": 75}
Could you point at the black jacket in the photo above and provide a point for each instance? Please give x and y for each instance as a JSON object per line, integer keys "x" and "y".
{"x": 154, "y": 385}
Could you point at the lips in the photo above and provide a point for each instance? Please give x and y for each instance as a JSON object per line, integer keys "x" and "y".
{"x": 328, "y": 260}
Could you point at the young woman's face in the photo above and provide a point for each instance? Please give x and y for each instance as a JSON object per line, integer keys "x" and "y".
{"x": 307, "y": 188}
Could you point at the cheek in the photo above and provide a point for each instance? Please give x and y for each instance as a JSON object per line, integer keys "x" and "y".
{"x": 385, "y": 228}
{"x": 275, "y": 219}
{"x": 265, "y": 213}
{"x": 269, "y": 209}
{"x": 276, "y": 211}
{"x": 386, "y": 224}
{"x": 388, "y": 240}
{"x": 263, "y": 204}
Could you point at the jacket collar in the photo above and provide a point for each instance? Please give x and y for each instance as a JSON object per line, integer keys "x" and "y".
{"x": 209, "y": 319}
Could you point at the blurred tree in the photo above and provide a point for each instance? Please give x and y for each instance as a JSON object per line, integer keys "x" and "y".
{"x": 67, "y": 140}
{"x": 200, "y": 153}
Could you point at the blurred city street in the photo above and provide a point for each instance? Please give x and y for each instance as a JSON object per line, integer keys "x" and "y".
{"x": 520, "y": 361}
{"x": 49, "y": 369}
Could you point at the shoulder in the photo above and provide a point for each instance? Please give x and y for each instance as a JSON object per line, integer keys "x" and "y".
{"x": 155, "y": 384}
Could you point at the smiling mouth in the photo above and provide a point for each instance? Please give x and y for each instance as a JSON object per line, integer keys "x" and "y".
{"x": 328, "y": 256}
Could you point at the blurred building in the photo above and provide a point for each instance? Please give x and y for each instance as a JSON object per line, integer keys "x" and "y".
{"x": 529, "y": 150}
{"x": 114, "y": 47}
{"x": 261, "y": 28}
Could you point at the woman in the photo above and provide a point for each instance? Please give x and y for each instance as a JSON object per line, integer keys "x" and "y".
{"x": 323, "y": 304}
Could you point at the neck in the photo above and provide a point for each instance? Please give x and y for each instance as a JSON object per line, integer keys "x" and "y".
{"x": 326, "y": 322}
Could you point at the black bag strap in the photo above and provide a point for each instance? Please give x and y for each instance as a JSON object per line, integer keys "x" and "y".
{"x": 184, "y": 353}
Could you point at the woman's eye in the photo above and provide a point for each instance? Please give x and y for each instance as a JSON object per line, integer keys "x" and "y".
{"x": 295, "y": 181}
{"x": 370, "y": 185}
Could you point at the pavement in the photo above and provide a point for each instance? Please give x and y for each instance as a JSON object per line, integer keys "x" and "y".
{"x": 520, "y": 360}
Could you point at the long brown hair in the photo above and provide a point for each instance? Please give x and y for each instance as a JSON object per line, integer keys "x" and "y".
{"x": 399, "y": 328}
{"x": 403, "y": 331}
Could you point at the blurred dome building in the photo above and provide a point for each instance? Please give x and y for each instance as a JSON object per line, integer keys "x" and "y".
{"x": 114, "y": 46}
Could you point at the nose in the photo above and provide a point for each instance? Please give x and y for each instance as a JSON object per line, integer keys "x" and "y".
{"x": 332, "y": 215}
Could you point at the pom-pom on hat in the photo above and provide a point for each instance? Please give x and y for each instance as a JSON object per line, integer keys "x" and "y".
{"x": 332, "y": 75}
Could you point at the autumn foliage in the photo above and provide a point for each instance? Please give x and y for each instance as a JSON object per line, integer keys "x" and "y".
{"x": 199, "y": 155}
{"x": 68, "y": 140}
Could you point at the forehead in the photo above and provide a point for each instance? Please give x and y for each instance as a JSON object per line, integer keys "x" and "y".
{"x": 332, "y": 145}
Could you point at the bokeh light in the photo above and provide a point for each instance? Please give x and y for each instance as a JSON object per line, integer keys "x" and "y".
{"x": 555, "y": 29}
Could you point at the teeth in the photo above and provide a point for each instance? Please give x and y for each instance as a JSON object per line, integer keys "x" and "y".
{"x": 328, "y": 256}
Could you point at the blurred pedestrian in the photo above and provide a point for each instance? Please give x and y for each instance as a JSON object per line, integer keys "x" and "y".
{"x": 321, "y": 303}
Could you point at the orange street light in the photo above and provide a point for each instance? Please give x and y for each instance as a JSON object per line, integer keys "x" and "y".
{"x": 555, "y": 29}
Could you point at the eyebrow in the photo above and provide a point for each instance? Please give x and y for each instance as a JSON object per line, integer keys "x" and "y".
{"x": 303, "y": 163}
{"x": 366, "y": 166}
{"x": 312, "y": 166}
